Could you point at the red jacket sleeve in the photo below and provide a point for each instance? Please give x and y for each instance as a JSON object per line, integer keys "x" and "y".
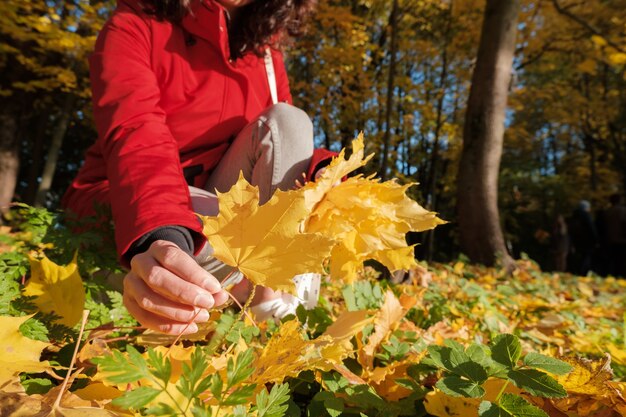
{"x": 147, "y": 187}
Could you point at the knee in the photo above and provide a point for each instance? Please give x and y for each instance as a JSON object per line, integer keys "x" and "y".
{"x": 292, "y": 123}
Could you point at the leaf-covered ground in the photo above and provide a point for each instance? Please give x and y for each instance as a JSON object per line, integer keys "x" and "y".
{"x": 371, "y": 348}
{"x": 451, "y": 340}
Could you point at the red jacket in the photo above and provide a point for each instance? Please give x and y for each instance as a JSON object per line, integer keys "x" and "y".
{"x": 167, "y": 99}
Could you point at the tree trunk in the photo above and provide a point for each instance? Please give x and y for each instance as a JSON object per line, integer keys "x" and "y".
{"x": 34, "y": 170}
{"x": 431, "y": 184}
{"x": 9, "y": 159}
{"x": 53, "y": 153}
{"x": 483, "y": 133}
{"x": 393, "y": 24}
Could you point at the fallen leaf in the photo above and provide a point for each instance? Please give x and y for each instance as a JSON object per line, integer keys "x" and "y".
{"x": 348, "y": 324}
{"x": 22, "y": 405}
{"x": 385, "y": 320}
{"x": 98, "y": 392}
{"x": 18, "y": 353}
{"x": 287, "y": 354}
{"x": 442, "y": 405}
{"x": 384, "y": 379}
{"x": 587, "y": 377}
{"x": 93, "y": 348}
{"x": 57, "y": 289}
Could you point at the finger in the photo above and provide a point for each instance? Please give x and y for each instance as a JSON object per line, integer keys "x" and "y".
{"x": 169, "y": 285}
{"x": 155, "y": 303}
{"x": 319, "y": 173}
{"x": 157, "y": 323}
{"x": 220, "y": 298}
{"x": 180, "y": 263}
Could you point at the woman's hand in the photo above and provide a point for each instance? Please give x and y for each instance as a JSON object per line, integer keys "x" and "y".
{"x": 166, "y": 289}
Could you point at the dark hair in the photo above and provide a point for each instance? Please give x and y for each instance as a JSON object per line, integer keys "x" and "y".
{"x": 260, "y": 23}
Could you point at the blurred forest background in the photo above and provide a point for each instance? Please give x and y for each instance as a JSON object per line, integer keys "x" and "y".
{"x": 399, "y": 70}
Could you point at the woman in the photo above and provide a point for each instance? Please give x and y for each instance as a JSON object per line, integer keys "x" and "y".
{"x": 186, "y": 94}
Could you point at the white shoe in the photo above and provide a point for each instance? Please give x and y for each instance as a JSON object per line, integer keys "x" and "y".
{"x": 307, "y": 290}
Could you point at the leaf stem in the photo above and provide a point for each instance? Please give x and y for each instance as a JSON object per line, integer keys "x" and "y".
{"x": 57, "y": 402}
{"x": 244, "y": 309}
{"x": 182, "y": 332}
{"x": 164, "y": 389}
{"x": 506, "y": 384}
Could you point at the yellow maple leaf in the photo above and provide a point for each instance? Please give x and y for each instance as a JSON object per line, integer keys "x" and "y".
{"x": 348, "y": 324}
{"x": 18, "y": 353}
{"x": 587, "y": 377}
{"x": 97, "y": 391}
{"x": 384, "y": 379}
{"x": 336, "y": 170}
{"x": 367, "y": 218}
{"x": 22, "y": 405}
{"x": 265, "y": 242}
{"x": 287, "y": 353}
{"x": 57, "y": 289}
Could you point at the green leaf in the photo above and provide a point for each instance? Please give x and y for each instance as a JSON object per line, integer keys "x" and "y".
{"x": 454, "y": 345}
{"x": 446, "y": 358}
{"x": 478, "y": 353}
{"x": 241, "y": 395}
{"x": 472, "y": 371}
{"x": 240, "y": 369}
{"x": 365, "y": 396}
{"x": 458, "y": 387}
{"x": 273, "y": 404}
{"x": 537, "y": 383}
{"x": 546, "y": 363}
{"x": 519, "y": 407}
{"x": 192, "y": 382}
{"x": 363, "y": 295}
{"x": 334, "y": 382}
{"x": 239, "y": 411}
{"x": 37, "y": 385}
{"x": 489, "y": 409}
{"x": 136, "y": 398}
{"x": 162, "y": 367}
{"x": 216, "y": 385}
{"x": 333, "y": 405}
{"x": 118, "y": 369}
{"x": 506, "y": 350}
{"x": 161, "y": 409}
{"x": 198, "y": 410}
{"x": 34, "y": 329}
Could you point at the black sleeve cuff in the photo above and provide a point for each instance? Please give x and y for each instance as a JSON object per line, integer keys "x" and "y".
{"x": 178, "y": 235}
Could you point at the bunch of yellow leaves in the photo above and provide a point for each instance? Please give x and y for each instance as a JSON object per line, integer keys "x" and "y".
{"x": 297, "y": 231}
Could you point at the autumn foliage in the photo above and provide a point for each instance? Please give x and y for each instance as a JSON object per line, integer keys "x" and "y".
{"x": 451, "y": 340}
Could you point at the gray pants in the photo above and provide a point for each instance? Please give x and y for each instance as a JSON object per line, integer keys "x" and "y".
{"x": 272, "y": 152}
